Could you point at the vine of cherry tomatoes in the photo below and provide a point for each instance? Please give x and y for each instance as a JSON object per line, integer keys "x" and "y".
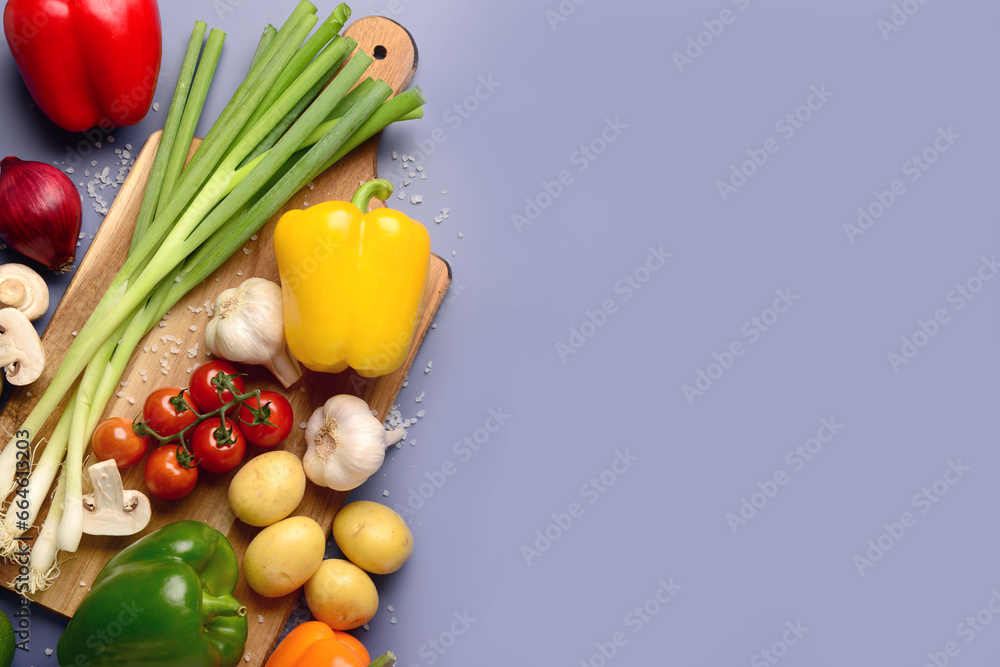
{"x": 207, "y": 426}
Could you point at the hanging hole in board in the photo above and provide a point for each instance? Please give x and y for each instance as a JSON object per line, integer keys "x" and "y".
{"x": 379, "y": 53}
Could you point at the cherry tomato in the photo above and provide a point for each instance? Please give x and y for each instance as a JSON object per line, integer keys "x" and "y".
{"x": 114, "y": 439}
{"x": 265, "y": 435}
{"x": 162, "y": 417}
{"x": 206, "y": 394}
{"x": 210, "y": 454}
{"x": 166, "y": 478}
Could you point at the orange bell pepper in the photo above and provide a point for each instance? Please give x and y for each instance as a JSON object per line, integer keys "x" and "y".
{"x": 315, "y": 644}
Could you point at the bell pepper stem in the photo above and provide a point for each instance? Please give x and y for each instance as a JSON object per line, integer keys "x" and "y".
{"x": 379, "y": 188}
{"x": 385, "y": 660}
{"x": 212, "y": 606}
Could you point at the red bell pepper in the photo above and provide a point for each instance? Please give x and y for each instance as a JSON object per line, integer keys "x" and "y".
{"x": 87, "y": 63}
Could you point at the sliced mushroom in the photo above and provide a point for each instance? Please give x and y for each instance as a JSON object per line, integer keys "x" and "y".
{"x": 110, "y": 510}
{"x": 23, "y": 289}
{"x": 21, "y": 354}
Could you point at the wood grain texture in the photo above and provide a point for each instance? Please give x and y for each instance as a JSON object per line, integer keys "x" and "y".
{"x": 208, "y": 502}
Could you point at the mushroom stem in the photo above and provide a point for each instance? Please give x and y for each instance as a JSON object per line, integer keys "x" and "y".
{"x": 13, "y": 293}
{"x": 21, "y": 355}
{"x": 111, "y": 510}
{"x": 9, "y": 354}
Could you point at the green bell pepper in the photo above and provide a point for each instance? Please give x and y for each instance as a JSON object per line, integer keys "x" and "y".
{"x": 166, "y": 600}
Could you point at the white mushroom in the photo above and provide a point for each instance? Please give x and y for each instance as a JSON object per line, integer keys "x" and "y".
{"x": 24, "y": 289}
{"x": 110, "y": 510}
{"x": 21, "y": 354}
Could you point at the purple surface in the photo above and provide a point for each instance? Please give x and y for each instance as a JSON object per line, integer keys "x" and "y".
{"x": 741, "y": 423}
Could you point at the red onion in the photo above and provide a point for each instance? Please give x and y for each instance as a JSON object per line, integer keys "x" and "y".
{"x": 40, "y": 212}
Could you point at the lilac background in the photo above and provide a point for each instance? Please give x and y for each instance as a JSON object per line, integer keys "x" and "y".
{"x": 795, "y": 575}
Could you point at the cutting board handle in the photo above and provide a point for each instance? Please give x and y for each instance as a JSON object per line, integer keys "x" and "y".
{"x": 391, "y": 45}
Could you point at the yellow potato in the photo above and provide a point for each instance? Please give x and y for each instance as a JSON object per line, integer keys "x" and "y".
{"x": 341, "y": 595}
{"x": 373, "y": 536}
{"x": 268, "y": 488}
{"x": 284, "y": 555}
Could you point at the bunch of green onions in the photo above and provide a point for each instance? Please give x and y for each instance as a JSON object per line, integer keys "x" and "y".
{"x": 302, "y": 106}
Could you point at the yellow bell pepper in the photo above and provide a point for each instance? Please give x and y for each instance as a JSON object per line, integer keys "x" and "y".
{"x": 352, "y": 283}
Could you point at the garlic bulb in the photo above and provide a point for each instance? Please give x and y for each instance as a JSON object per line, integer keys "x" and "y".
{"x": 248, "y": 327}
{"x": 345, "y": 443}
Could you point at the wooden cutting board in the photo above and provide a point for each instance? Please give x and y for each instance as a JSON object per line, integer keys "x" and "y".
{"x": 186, "y": 325}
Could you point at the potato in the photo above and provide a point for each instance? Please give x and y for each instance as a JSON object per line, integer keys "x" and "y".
{"x": 268, "y": 488}
{"x": 341, "y": 595}
{"x": 373, "y": 536}
{"x": 284, "y": 555}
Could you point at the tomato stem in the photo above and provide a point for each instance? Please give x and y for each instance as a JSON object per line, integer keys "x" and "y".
{"x": 224, "y": 383}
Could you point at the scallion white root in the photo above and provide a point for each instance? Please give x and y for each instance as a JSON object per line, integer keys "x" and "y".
{"x": 43, "y": 567}
{"x": 23, "y": 509}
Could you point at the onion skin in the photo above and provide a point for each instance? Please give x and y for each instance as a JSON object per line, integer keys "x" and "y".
{"x": 40, "y": 212}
